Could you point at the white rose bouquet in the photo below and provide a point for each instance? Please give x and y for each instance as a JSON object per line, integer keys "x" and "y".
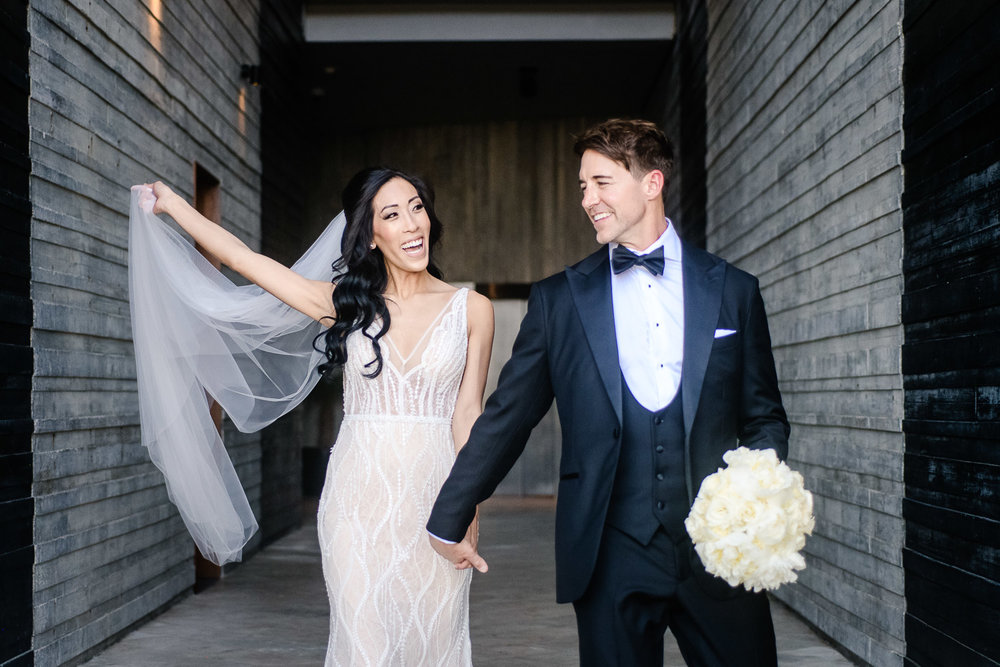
{"x": 750, "y": 520}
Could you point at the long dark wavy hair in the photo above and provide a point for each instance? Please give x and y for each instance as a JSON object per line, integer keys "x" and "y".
{"x": 360, "y": 273}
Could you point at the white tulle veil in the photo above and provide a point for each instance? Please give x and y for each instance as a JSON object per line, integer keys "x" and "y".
{"x": 197, "y": 334}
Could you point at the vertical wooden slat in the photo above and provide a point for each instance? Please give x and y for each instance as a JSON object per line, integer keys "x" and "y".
{"x": 507, "y": 192}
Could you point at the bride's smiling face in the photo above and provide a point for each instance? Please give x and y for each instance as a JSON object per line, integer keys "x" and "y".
{"x": 401, "y": 226}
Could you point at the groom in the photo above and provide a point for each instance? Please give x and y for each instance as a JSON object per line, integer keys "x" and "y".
{"x": 659, "y": 356}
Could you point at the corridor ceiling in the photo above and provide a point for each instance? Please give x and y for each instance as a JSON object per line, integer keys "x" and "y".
{"x": 383, "y": 64}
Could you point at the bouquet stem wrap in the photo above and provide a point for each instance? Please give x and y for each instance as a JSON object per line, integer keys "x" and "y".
{"x": 749, "y": 520}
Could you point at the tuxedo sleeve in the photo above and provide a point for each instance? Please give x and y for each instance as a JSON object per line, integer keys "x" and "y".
{"x": 522, "y": 397}
{"x": 764, "y": 424}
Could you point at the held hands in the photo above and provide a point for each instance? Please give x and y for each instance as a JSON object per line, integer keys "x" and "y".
{"x": 463, "y": 554}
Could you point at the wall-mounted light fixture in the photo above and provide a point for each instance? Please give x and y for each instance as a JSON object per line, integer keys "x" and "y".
{"x": 250, "y": 74}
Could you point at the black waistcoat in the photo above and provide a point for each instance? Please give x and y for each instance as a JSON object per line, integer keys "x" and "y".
{"x": 649, "y": 489}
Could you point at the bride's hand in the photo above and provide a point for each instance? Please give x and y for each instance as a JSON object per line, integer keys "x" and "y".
{"x": 462, "y": 555}
{"x": 161, "y": 196}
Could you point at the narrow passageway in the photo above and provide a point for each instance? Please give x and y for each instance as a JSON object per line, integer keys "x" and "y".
{"x": 273, "y": 609}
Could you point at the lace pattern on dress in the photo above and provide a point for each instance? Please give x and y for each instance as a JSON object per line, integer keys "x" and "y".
{"x": 393, "y": 600}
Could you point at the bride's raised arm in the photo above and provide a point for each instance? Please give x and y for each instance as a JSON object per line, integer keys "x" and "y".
{"x": 311, "y": 297}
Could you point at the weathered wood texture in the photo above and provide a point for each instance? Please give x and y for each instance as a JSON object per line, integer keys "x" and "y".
{"x": 507, "y": 192}
{"x": 17, "y": 553}
{"x": 951, "y": 360}
{"x": 122, "y": 92}
{"x": 803, "y": 178}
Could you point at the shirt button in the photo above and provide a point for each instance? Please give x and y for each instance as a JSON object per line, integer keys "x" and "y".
{"x": 659, "y": 504}
{"x": 659, "y": 476}
{"x": 659, "y": 449}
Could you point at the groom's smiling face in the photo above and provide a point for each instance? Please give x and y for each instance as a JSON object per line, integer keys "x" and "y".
{"x": 617, "y": 203}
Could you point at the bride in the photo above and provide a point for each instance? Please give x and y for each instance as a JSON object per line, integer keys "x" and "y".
{"x": 415, "y": 353}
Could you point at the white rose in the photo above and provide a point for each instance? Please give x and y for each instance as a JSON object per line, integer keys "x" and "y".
{"x": 749, "y": 520}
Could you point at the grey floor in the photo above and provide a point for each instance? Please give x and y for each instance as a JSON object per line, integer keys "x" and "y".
{"x": 272, "y": 610}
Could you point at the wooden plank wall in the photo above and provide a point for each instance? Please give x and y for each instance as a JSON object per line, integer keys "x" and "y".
{"x": 951, "y": 359}
{"x": 508, "y": 196}
{"x": 804, "y": 136}
{"x": 121, "y": 92}
{"x": 507, "y": 192}
{"x": 17, "y": 554}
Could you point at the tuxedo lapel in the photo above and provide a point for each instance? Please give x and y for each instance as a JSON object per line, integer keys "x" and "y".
{"x": 590, "y": 284}
{"x": 703, "y": 285}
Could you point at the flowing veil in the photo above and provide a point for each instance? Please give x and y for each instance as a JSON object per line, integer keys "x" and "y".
{"x": 198, "y": 335}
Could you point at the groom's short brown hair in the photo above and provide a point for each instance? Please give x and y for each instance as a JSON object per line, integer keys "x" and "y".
{"x": 638, "y": 145}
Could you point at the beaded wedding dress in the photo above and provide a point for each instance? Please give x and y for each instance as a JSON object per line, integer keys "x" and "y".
{"x": 393, "y": 600}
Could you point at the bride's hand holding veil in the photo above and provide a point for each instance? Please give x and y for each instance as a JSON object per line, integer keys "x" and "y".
{"x": 310, "y": 297}
{"x": 196, "y": 332}
{"x": 152, "y": 197}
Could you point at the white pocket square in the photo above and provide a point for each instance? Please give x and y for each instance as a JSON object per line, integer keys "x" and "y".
{"x": 722, "y": 333}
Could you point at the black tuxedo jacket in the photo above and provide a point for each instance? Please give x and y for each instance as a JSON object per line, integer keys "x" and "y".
{"x": 567, "y": 349}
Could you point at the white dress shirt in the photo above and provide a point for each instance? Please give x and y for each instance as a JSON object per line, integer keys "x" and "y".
{"x": 649, "y": 324}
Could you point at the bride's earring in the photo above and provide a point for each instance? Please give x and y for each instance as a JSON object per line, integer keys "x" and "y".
{"x": 372, "y": 246}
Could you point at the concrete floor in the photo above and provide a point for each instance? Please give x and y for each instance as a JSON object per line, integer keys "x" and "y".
{"x": 273, "y": 609}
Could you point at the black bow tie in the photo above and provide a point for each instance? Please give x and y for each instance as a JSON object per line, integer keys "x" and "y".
{"x": 623, "y": 259}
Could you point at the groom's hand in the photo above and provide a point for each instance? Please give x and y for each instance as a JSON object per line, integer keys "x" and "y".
{"x": 462, "y": 554}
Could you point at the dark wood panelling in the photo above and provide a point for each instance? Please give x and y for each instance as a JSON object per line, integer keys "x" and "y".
{"x": 17, "y": 507}
{"x": 507, "y": 193}
{"x": 678, "y": 103}
{"x": 690, "y": 51}
{"x": 951, "y": 313}
{"x": 959, "y": 616}
{"x": 282, "y": 201}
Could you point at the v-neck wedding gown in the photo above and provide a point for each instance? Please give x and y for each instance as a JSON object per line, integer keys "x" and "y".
{"x": 393, "y": 600}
